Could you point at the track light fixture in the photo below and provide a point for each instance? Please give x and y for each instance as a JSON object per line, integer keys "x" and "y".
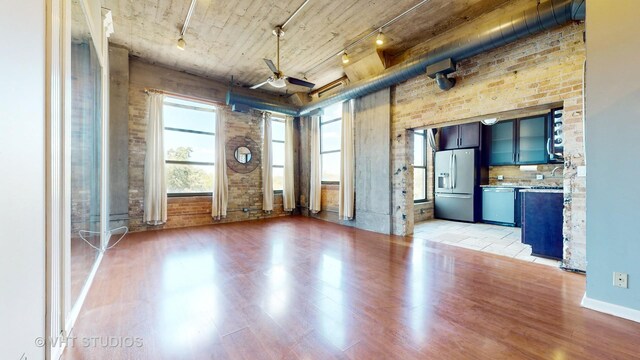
{"x": 380, "y": 38}
{"x": 345, "y": 58}
{"x": 181, "y": 43}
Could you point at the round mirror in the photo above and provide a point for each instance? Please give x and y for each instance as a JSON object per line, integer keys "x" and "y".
{"x": 243, "y": 154}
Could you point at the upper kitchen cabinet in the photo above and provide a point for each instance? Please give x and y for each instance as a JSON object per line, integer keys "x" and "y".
{"x": 502, "y": 143}
{"x": 532, "y": 140}
{"x": 519, "y": 141}
{"x": 460, "y": 136}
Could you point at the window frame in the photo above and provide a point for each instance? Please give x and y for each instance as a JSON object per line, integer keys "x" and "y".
{"x": 186, "y": 162}
{"x": 279, "y": 119}
{"x": 322, "y": 152}
{"x": 423, "y": 134}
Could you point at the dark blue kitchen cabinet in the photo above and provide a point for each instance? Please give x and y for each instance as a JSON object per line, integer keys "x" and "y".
{"x": 461, "y": 136}
{"x": 542, "y": 222}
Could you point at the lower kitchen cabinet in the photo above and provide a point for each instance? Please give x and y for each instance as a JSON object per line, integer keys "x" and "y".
{"x": 542, "y": 222}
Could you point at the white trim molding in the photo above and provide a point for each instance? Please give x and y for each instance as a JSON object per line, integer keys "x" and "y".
{"x": 611, "y": 309}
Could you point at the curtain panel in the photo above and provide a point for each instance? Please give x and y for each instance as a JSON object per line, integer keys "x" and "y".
{"x": 267, "y": 163}
{"x": 316, "y": 177}
{"x": 220, "y": 180}
{"x": 155, "y": 187}
{"x": 347, "y": 162}
{"x": 288, "y": 192}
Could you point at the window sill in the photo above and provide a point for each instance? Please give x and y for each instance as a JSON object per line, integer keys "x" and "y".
{"x": 421, "y": 201}
{"x": 181, "y": 195}
{"x": 330, "y": 182}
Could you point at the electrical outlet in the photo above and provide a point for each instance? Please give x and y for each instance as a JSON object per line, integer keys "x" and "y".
{"x": 500, "y": 177}
{"x": 539, "y": 177}
{"x": 620, "y": 280}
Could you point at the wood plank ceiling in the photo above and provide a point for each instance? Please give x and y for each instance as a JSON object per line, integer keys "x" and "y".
{"x": 228, "y": 38}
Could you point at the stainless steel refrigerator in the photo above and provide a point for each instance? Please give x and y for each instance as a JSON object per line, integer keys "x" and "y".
{"x": 457, "y": 189}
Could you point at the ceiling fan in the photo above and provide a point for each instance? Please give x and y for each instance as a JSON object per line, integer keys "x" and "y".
{"x": 279, "y": 79}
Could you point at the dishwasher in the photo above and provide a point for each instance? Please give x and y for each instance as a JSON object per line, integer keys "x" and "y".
{"x": 498, "y": 206}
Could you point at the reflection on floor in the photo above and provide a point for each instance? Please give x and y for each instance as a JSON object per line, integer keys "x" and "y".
{"x": 300, "y": 288}
{"x": 500, "y": 240}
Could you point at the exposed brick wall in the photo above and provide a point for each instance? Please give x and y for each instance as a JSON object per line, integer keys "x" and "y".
{"x": 542, "y": 69}
{"x": 245, "y": 190}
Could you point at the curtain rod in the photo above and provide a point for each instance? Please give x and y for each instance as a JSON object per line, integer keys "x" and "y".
{"x": 188, "y": 97}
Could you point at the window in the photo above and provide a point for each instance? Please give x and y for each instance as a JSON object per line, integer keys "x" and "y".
{"x": 277, "y": 146}
{"x": 419, "y": 166}
{"x": 189, "y": 143}
{"x": 330, "y": 139}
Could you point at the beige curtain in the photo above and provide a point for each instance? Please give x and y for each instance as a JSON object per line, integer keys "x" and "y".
{"x": 155, "y": 187}
{"x": 315, "y": 184}
{"x": 288, "y": 193}
{"x": 220, "y": 181}
{"x": 347, "y": 162}
{"x": 267, "y": 163}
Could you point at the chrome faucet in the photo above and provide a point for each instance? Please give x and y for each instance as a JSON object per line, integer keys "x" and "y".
{"x": 553, "y": 172}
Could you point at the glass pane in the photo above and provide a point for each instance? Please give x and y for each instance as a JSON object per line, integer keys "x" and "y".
{"x": 532, "y": 140}
{"x": 189, "y": 178}
{"x": 418, "y": 150}
{"x": 332, "y": 112}
{"x": 189, "y": 119}
{"x": 278, "y": 154}
{"x": 278, "y": 178}
{"x": 178, "y": 101}
{"x": 186, "y": 146}
{"x": 419, "y": 185}
{"x": 85, "y": 152}
{"x": 331, "y": 167}
{"x": 277, "y": 130}
{"x": 330, "y": 136}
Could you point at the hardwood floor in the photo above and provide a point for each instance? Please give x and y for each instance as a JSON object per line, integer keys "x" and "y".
{"x": 299, "y": 288}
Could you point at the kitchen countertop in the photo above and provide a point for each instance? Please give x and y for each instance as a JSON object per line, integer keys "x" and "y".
{"x": 550, "y": 190}
{"x": 537, "y": 187}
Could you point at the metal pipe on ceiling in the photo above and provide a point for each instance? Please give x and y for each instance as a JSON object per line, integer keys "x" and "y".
{"x": 192, "y": 8}
{"x": 294, "y": 14}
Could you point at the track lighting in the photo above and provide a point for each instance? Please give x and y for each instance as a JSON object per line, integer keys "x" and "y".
{"x": 181, "y": 43}
{"x": 380, "y": 38}
{"x": 345, "y": 58}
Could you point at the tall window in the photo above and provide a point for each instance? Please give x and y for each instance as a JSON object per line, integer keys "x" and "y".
{"x": 189, "y": 143}
{"x": 277, "y": 142}
{"x": 419, "y": 166}
{"x": 330, "y": 139}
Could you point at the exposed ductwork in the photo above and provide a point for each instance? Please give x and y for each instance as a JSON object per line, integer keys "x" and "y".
{"x": 509, "y": 28}
{"x": 240, "y": 102}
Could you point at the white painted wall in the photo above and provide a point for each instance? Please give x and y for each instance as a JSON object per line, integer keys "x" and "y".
{"x": 22, "y": 183}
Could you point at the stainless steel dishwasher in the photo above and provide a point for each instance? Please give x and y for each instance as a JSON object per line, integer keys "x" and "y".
{"x": 498, "y": 205}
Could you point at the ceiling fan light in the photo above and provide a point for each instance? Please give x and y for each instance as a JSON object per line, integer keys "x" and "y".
{"x": 345, "y": 58}
{"x": 380, "y": 39}
{"x": 278, "y": 83}
{"x": 181, "y": 43}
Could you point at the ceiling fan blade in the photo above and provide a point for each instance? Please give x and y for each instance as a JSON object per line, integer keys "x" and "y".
{"x": 273, "y": 68}
{"x": 258, "y": 85}
{"x": 299, "y": 82}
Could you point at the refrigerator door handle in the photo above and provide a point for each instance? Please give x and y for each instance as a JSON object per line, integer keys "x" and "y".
{"x": 454, "y": 172}
{"x": 451, "y": 171}
{"x": 456, "y": 196}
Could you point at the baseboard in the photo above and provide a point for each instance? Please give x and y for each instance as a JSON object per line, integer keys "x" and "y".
{"x": 611, "y": 309}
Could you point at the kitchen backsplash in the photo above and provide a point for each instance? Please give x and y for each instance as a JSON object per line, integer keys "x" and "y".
{"x": 514, "y": 175}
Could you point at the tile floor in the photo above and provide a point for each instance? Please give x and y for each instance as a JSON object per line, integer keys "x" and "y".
{"x": 495, "y": 239}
